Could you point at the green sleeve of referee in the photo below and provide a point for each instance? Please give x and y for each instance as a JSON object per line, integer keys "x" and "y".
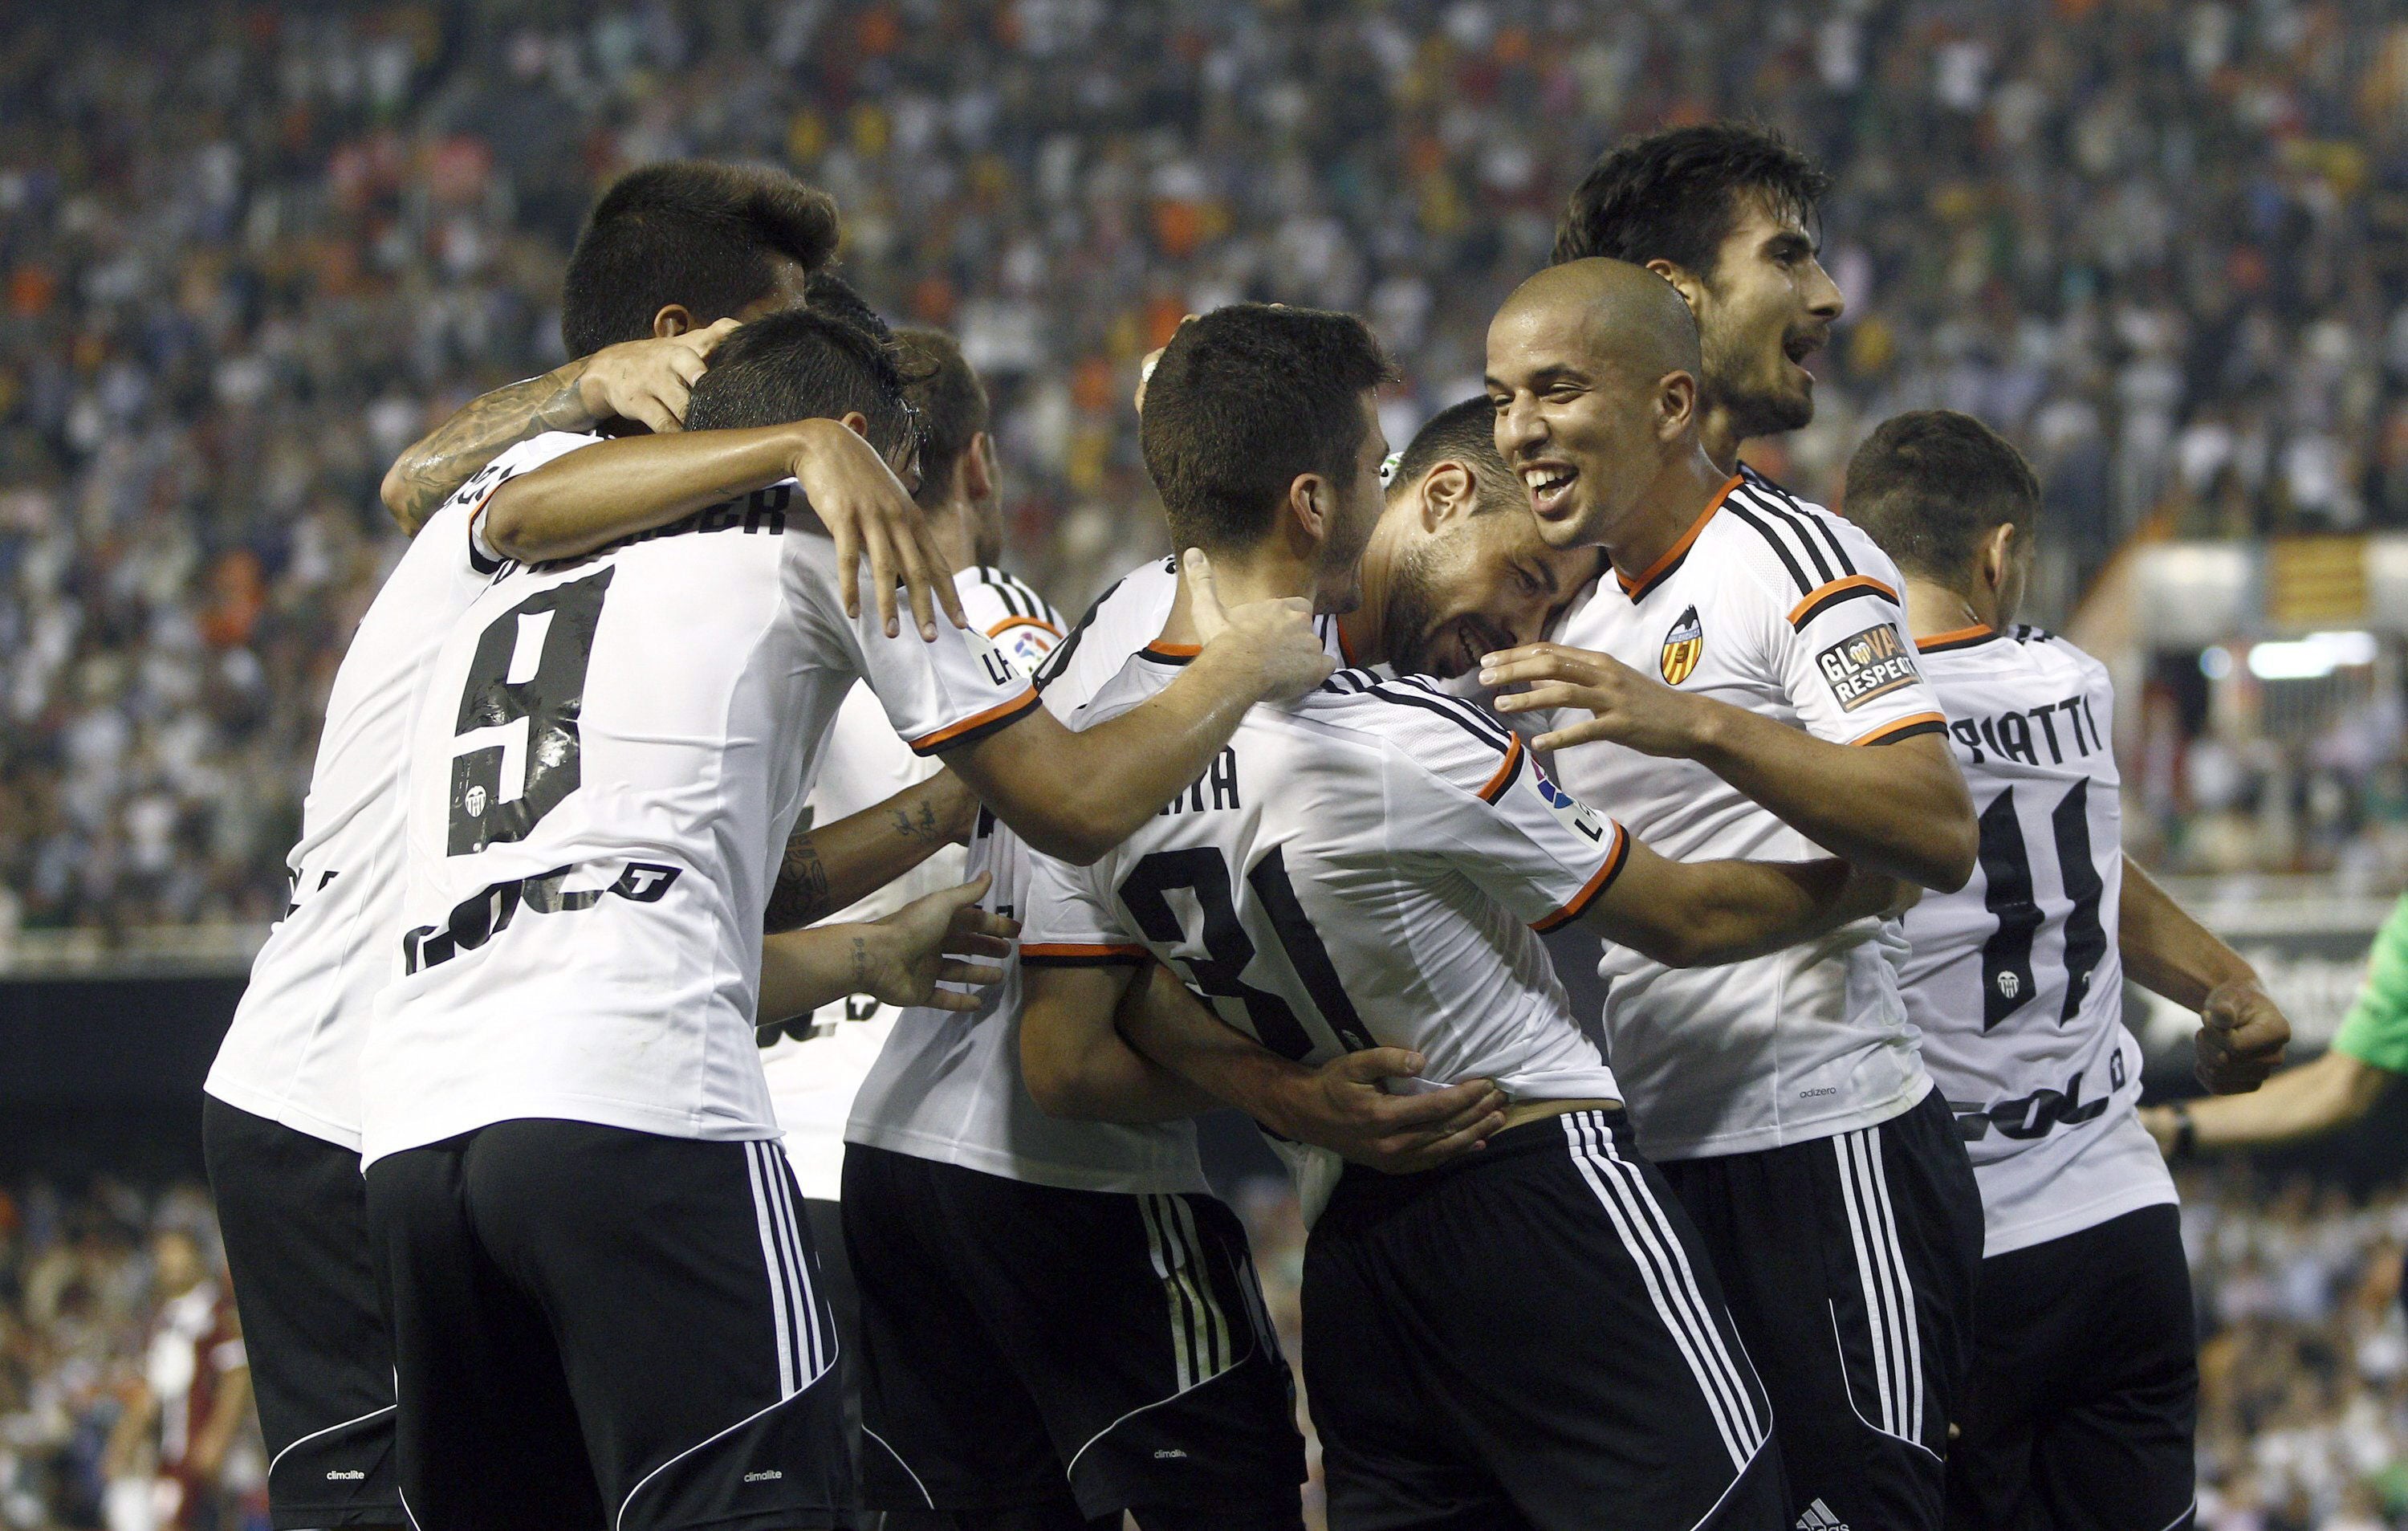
{"x": 2376, "y": 1030}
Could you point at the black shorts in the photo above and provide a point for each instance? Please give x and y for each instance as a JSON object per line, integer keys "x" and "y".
{"x": 2084, "y": 1397}
{"x": 1850, "y": 1263}
{"x": 844, "y": 1305}
{"x": 595, "y": 1326}
{"x": 1020, "y": 1340}
{"x": 295, "y": 1222}
{"x": 1524, "y": 1336}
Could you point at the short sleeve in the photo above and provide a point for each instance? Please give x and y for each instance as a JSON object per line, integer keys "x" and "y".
{"x": 1067, "y": 920}
{"x": 1476, "y": 797}
{"x": 939, "y": 696}
{"x": 1020, "y": 623}
{"x": 1849, "y": 667}
{"x": 467, "y": 502}
{"x": 2376, "y": 1029}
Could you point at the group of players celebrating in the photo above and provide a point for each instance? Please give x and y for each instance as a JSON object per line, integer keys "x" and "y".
{"x": 1839, "y": 1217}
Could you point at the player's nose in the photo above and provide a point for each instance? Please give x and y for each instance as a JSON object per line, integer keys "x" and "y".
{"x": 1824, "y": 299}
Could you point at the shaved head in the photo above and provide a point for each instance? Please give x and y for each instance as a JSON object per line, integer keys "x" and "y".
{"x": 1592, "y": 369}
{"x": 1618, "y": 315}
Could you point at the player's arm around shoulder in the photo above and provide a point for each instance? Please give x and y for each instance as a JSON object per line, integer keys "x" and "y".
{"x": 1701, "y": 913}
{"x": 1076, "y": 795}
{"x": 1871, "y": 777}
{"x": 1079, "y": 969}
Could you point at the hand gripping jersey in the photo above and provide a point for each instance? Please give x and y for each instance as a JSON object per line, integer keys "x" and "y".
{"x": 2015, "y": 978}
{"x": 1786, "y": 610}
{"x": 948, "y": 1085}
{"x": 605, "y": 766}
{"x": 1362, "y": 868}
{"x": 292, "y": 1053}
{"x": 816, "y": 1062}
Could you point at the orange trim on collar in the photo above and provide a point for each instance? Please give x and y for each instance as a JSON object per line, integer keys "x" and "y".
{"x": 1663, "y": 566}
{"x": 1974, "y": 634}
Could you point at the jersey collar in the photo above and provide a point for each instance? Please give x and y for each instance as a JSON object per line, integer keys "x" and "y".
{"x": 1661, "y": 569}
{"x": 1943, "y": 642}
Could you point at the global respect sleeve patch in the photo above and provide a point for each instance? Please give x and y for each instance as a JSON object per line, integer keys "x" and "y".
{"x": 1868, "y": 664}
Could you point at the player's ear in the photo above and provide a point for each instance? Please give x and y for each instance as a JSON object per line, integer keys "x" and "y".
{"x": 673, "y": 319}
{"x": 1684, "y": 281}
{"x": 856, "y": 423}
{"x": 1999, "y": 553}
{"x": 1676, "y": 405}
{"x": 1449, "y": 495}
{"x": 976, "y": 467}
{"x": 1309, "y": 501}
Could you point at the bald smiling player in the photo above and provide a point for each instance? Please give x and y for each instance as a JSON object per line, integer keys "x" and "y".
{"x": 1714, "y": 695}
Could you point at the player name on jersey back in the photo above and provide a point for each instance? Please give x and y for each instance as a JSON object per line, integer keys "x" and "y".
{"x": 610, "y": 753}
{"x": 1785, "y": 610}
{"x": 292, "y": 1054}
{"x": 1364, "y": 867}
{"x": 2014, "y": 980}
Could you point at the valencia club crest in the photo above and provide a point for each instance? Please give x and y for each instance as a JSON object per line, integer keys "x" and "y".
{"x": 1681, "y": 647}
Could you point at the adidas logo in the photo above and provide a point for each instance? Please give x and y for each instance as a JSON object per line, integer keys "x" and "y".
{"x": 1818, "y": 1517}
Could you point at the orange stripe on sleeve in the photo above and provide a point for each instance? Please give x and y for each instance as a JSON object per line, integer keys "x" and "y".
{"x": 1075, "y": 953}
{"x": 1592, "y": 887}
{"x": 1010, "y": 622}
{"x": 1002, "y": 712}
{"x": 1838, "y": 589}
{"x": 1496, "y": 784}
{"x": 1905, "y": 728}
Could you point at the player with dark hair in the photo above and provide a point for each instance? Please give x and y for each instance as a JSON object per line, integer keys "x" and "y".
{"x": 1742, "y": 684}
{"x": 2079, "y": 1402}
{"x": 815, "y": 1063}
{"x": 672, "y": 259}
{"x": 603, "y": 1299}
{"x": 958, "y": 476}
{"x": 1020, "y": 1276}
{"x": 281, "y": 1113}
{"x": 1725, "y": 212}
{"x": 1533, "y": 1333}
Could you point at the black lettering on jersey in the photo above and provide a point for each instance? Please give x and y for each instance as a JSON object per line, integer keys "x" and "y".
{"x": 645, "y": 882}
{"x": 2048, "y": 730}
{"x": 549, "y": 702}
{"x": 292, "y": 891}
{"x": 2036, "y": 1115}
{"x": 1221, "y": 778}
{"x": 1969, "y": 737}
{"x": 1865, "y": 665}
{"x": 2009, "y": 735}
{"x": 2014, "y": 739}
{"x": 478, "y": 919}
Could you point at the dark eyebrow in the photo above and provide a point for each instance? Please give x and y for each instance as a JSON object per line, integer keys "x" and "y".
{"x": 1790, "y": 242}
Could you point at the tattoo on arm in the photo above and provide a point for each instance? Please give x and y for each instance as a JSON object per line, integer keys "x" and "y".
{"x": 918, "y": 828}
{"x": 433, "y": 471}
{"x": 860, "y": 965}
{"x": 801, "y": 893}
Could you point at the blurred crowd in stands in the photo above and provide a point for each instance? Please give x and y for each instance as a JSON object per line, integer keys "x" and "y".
{"x": 248, "y": 250}
{"x": 2303, "y": 1420}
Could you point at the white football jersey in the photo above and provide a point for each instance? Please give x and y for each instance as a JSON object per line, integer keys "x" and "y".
{"x": 1787, "y": 611}
{"x": 815, "y": 1063}
{"x": 2015, "y": 979}
{"x": 605, "y": 764}
{"x": 292, "y": 1053}
{"x": 948, "y": 1086}
{"x": 1365, "y": 867}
